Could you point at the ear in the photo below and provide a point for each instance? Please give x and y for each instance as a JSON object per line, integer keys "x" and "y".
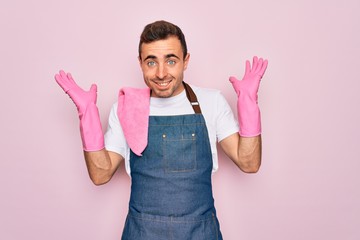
{"x": 186, "y": 60}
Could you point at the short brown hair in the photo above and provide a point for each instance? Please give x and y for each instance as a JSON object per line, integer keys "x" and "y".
{"x": 161, "y": 30}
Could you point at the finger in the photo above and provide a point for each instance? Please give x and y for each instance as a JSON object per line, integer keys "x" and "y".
{"x": 63, "y": 74}
{"x": 63, "y": 84}
{"x": 247, "y": 67}
{"x": 263, "y": 68}
{"x": 69, "y": 76}
{"x": 58, "y": 79}
{"x": 233, "y": 79}
{"x": 259, "y": 65}
{"x": 72, "y": 82}
{"x": 255, "y": 63}
{"x": 93, "y": 88}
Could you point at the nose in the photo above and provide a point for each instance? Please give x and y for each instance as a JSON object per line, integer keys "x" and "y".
{"x": 161, "y": 71}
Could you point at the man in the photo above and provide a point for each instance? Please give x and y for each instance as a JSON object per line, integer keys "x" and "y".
{"x": 167, "y": 136}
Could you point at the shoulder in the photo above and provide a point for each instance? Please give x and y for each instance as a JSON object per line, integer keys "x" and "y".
{"x": 205, "y": 92}
{"x": 212, "y": 103}
{"x": 208, "y": 95}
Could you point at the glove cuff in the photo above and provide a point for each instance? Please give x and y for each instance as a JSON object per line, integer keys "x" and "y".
{"x": 248, "y": 116}
{"x": 90, "y": 129}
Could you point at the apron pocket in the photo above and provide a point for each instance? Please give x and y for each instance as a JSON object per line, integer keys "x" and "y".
{"x": 180, "y": 152}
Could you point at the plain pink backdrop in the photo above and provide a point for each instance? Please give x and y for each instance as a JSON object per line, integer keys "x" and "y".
{"x": 308, "y": 186}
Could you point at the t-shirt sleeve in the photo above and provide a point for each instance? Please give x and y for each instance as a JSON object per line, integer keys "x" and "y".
{"x": 226, "y": 123}
{"x": 114, "y": 136}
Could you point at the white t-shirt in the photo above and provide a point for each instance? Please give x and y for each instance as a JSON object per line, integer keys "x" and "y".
{"x": 218, "y": 116}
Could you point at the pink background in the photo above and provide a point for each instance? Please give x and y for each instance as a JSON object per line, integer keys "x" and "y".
{"x": 308, "y": 186}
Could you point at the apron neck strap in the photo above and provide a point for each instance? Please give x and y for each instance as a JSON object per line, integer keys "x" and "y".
{"x": 192, "y": 98}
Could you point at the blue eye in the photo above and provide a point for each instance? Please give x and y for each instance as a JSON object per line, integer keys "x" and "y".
{"x": 151, "y": 63}
{"x": 171, "y": 62}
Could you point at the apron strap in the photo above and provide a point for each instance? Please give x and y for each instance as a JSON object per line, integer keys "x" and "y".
{"x": 192, "y": 98}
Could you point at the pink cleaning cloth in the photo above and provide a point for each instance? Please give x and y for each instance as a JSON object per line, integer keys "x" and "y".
{"x": 133, "y": 112}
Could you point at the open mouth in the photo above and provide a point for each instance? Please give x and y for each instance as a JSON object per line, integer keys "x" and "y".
{"x": 163, "y": 84}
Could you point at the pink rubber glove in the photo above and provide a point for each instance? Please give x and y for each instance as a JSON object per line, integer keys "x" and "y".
{"x": 85, "y": 101}
{"x": 247, "y": 89}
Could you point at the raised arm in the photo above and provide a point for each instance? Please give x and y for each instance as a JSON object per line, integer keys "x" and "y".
{"x": 244, "y": 148}
{"x": 101, "y": 164}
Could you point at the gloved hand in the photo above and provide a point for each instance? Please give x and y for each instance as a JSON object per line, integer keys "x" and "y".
{"x": 247, "y": 89}
{"x": 85, "y": 101}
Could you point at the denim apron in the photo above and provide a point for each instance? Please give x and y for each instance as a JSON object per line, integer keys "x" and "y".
{"x": 171, "y": 193}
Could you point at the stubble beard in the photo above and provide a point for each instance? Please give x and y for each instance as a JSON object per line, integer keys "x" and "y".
{"x": 167, "y": 93}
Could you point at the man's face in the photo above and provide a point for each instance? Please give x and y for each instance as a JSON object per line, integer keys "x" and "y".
{"x": 163, "y": 65}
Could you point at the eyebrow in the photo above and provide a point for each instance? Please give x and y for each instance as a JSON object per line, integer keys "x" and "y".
{"x": 166, "y": 56}
{"x": 150, "y": 57}
{"x": 172, "y": 55}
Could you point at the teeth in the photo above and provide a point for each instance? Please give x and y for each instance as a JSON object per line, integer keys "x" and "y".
{"x": 163, "y": 84}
